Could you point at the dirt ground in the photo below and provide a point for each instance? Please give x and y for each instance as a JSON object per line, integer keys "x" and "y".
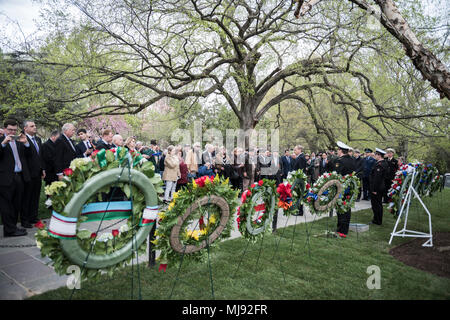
{"x": 435, "y": 260}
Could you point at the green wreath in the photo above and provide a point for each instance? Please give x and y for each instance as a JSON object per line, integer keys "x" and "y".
{"x": 350, "y": 185}
{"x": 265, "y": 193}
{"x": 298, "y": 181}
{"x": 324, "y": 194}
{"x": 85, "y": 183}
{"x": 198, "y": 216}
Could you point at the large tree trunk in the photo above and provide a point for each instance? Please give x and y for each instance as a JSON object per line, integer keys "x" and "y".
{"x": 431, "y": 68}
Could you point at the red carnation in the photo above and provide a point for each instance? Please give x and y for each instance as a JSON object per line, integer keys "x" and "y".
{"x": 39, "y": 225}
{"x": 260, "y": 183}
{"x": 93, "y": 154}
{"x": 348, "y": 197}
{"x": 93, "y": 235}
{"x": 68, "y": 172}
{"x": 253, "y": 185}
{"x": 344, "y": 203}
{"x": 163, "y": 267}
{"x": 308, "y": 186}
{"x": 115, "y": 232}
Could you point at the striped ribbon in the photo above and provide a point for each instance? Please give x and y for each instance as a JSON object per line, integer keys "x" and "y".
{"x": 107, "y": 210}
{"x": 149, "y": 216}
{"x": 62, "y": 227}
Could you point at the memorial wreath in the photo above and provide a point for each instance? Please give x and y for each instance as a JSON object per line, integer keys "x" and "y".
{"x": 259, "y": 200}
{"x": 207, "y": 203}
{"x": 80, "y": 197}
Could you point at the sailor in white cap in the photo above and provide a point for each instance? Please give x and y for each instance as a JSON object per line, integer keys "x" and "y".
{"x": 344, "y": 165}
{"x": 392, "y": 164}
{"x": 378, "y": 186}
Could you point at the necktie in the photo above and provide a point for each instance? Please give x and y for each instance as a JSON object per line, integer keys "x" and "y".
{"x": 71, "y": 144}
{"x": 18, "y": 164}
{"x": 35, "y": 144}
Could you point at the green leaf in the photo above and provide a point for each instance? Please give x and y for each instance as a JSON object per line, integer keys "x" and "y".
{"x": 126, "y": 190}
{"x": 84, "y": 234}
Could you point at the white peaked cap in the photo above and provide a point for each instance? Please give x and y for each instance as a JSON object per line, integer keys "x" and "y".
{"x": 342, "y": 145}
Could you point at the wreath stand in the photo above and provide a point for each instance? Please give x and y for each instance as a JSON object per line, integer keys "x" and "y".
{"x": 405, "y": 211}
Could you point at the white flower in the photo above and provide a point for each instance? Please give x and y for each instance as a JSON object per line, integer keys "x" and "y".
{"x": 124, "y": 228}
{"x": 48, "y": 203}
{"x": 105, "y": 237}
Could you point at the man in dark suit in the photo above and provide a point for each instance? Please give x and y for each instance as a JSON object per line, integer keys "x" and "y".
{"x": 106, "y": 141}
{"x": 48, "y": 156}
{"x": 84, "y": 148}
{"x": 14, "y": 151}
{"x": 359, "y": 169}
{"x": 286, "y": 162}
{"x": 64, "y": 149}
{"x": 32, "y": 189}
{"x": 324, "y": 165}
{"x": 299, "y": 163}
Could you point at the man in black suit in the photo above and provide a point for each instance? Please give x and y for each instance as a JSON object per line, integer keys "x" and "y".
{"x": 84, "y": 148}
{"x": 64, "y": 149}
{"x": 106, "y": 141}
{"x": 14, "y": 151}
{"x": 48, "y": 156}
{"x": 32, "y": 189}
{"x": 286, "y": 162}
{"x": 299, "y": 163}
{"x": 324, "y": 165}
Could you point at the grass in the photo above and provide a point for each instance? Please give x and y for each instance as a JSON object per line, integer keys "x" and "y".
{"x": 329, "y": 268}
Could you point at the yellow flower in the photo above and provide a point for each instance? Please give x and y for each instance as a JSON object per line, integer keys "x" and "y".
{"x": 161, "y": 216}
{"x": 216, "y": 178}
{"x": 207, "y": 181}
{"x": 155, "y": 242}
{"x": 175, "y": 195}
{"x": 226, "y": 181}
{"x": 204, "y": 231}
{"x": 212, "y": 219}
{"x": 194, "y": 185}
{"x": 193, "y": 234}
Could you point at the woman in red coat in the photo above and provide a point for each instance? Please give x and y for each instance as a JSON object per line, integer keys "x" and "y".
{"x": 182, "y": 182}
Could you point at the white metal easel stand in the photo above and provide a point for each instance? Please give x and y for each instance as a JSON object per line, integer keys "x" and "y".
{"x": 405, "y": 211}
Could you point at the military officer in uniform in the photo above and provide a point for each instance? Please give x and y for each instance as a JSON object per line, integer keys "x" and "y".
{"x": 344, "y": 164}
{"x": 378, "y": 186}
{"x": 392, "y": 164}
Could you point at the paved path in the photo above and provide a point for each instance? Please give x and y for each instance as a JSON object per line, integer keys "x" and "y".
{"x": 24, "y": 273}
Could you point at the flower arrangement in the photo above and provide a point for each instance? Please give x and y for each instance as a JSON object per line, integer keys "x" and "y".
{"x": 206, "y": 217}
{"x": 265, "y": 192}
{"x": 427, "y": 182}
{"x": 350, "y": 185}
{"x": 323, "y": 195}
{"x": 298, "y": 180}
{"x": 61, "y": 192}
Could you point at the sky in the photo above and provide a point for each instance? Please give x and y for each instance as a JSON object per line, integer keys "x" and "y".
{"x": 22, "y": 11}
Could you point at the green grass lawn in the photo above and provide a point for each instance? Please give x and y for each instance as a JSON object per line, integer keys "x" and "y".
{"x": 328, "y": 268}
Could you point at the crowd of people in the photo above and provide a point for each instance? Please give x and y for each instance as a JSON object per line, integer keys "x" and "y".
{"x": 25, "y": 160}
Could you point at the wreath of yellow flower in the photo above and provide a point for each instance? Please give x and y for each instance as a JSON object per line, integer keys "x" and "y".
{"x": 200, "y": 224}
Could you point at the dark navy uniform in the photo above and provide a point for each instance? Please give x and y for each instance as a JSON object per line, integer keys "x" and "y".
{"x": 378, "y": 184}
{"x": 344, "y": 165}
{"x": 392, "y": 166}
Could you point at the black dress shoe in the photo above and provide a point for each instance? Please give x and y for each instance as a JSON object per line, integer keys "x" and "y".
{"x": 17, "y": 233}
{"x": 21, "y": 229}
{"x": 27, "y": 225}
